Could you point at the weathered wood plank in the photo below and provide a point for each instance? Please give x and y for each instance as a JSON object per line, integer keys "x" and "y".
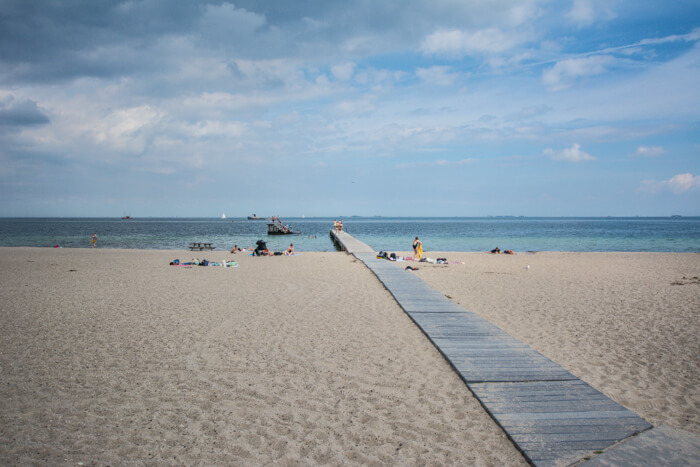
{"x": 507, "y": 418}
{"x": 611, "y": 437}
{"x": 585, "y": 426}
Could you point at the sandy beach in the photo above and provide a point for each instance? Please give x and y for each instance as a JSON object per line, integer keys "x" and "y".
{"x": 115, "y": 357}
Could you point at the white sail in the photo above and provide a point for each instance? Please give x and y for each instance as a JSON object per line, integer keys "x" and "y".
{"x": 223, "y": 216}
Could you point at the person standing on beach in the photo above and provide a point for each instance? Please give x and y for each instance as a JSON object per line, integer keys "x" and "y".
{"x": 417, "y": 248}
{"x": 94, "y": 239}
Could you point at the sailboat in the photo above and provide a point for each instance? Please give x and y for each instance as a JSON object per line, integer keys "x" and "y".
{"x": 223, "y": 216}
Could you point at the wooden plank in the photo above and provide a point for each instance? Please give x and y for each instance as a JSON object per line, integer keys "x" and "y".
{"x": 662, "y": 445}
{"x": 507, "y": 418}
{"x": 585, "y": 426}
{"x": 562, "y": 406}
{"x": 609, "y": 437}
{"x": 549, "y": 458}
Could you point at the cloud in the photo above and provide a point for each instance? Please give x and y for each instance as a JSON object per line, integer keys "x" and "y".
{"x": 440, "y": 75}
{"x": 586, "y": 12}
{"x": 564, "y": 73}
{"x": 677, "y": 184}
{"x": 650, "y": 151}
{"x": 692, "y": 36}
{"x": 344, "y": 71}
{"x": 227, "y": 26}
{"x": 126, "y": 129}
{"x": 572, "y": 154}
{"x": 459, "y": 43}
{"x": 16, "y": 113}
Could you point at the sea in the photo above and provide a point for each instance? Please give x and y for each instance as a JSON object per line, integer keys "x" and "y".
{"x": 577, "y": 234}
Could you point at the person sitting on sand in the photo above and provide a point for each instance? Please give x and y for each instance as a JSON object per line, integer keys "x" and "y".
{"x": 290, "y": 250}
{"x": 236, "y": 249}
{"x": 495, "y": 250}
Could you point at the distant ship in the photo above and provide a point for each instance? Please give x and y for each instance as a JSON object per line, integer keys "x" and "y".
{"x": 255, "y": 218}
{"x": 126, "y": 218}
{"x": 223, "y": 216}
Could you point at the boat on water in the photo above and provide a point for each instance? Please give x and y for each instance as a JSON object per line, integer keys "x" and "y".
{"x": 254, "y": 217}
{"x": 223, "y": 216}
{"x": 126, "y": 218}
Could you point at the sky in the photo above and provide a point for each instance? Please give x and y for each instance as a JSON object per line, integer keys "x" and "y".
{"x": 371, "y": 108}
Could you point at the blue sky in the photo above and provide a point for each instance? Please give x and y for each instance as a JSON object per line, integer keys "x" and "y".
{"x": 396, "y": 108}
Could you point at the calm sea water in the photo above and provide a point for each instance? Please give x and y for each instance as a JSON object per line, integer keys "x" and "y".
{"x": 392, "y": 234}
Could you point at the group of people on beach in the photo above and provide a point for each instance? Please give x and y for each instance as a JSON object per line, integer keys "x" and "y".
{"x": 261, "y": 249}
{"x": 497, "y": 250}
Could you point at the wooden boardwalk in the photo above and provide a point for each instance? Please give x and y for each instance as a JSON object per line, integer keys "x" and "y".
{"x": 551, "y": 416}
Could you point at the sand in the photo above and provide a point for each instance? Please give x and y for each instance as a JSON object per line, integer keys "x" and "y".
{"x": 626, "y": 323}
{"x": 114, "y": 357}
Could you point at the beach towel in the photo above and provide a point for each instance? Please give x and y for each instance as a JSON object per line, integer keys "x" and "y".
{"x": 420, "y": 251}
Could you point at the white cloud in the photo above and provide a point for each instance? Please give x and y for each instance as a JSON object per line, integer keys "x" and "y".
{"x": 564, "y": 73}
{"x": 225, "y": 24}
{"x": 440, "y": 75}
{"x": 458, "y": 43}
{"x": 343, "y": 72}
{"x": 586, "y": 12}
{"x": 677, "y": 184}
{"x": 362, "y": 106}
{"x": 650, "y": 151}
{"x": 572, "y": 154}
{"x": 683, "y": 182}
{"x": 692, "y": 36}
{"x": 125, "y": 129}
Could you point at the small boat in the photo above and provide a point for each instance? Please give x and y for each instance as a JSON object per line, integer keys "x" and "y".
{"x": 126, "y": 218}
{"x": 223, "y": 216}
{"x": 255, "y": 218}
